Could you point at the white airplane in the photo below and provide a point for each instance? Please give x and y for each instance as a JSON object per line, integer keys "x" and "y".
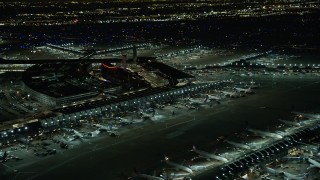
{"x": 196, "y": 101}
{"x": 146, "y": 115}
{"x": 243, "y": 146}
{"x": 253, "y": 85}
{"x": 198, "y": 167}
{"x": 208, "y": 155}
{"x": 247, "y": 91}
{"x": 107, "y": 128}
{"x": 264, "y": 134}
{"x": 49, "y": 76}
{"x": 135, "y": 120}
{"x": 169, "y": 174}
{"x": 290, "y": 176}
{"x": 80, "y": 135}
{"x": 211, "y": 97}
{"x": 77, "y": 133}
{"x": 94, "y": 133}
{"x": 67, "y": 129}
{"x": 178, "y": 166}
{"x": 110, "y": 129}
{"x": 149, "y": 177}
{"x": 304, "y": 122}
{"x": 3, "y": 156}
{"x": 272, "y": 171}
{"x": 290, "y": 122}
{"x": 230, "y": 94}
{"x": 308, "y": 115}
{"x": 313, "y": 163}
{"x": 286, "y": 175}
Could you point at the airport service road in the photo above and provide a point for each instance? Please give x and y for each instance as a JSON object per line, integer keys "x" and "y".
{"x": 144, "y": 148}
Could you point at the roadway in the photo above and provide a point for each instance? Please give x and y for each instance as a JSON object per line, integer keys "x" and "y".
{"x": 42, "y": 61}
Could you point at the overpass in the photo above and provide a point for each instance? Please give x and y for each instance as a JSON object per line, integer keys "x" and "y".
{"x": 88, "y": 54}
{"x": 41, "y": 61}
{"x": 63, "y": 48}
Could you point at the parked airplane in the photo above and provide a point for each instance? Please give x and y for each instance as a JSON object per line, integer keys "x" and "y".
{"x": 149, "y": 177}
{"x": 48, "y": 76}
{"x": 94, "y": 133}
{"x": 172, "y": 174}
{"x": 290, "y": 176}
{"x": 290, "y": 123}
{"x": 247, "y": 91}
{"x": 110, "y": 130}
{"x": 208, "y": 155}
{"x": 147, "y": 116}
{"x": 265, "y": 134}
{"x": 133, "y": 120}
{"x": 137, "y": 175}
{"x": 77, "y": 134}
{"x": 286, "y": 175}
{"x": 253, "y": 85}
{"x": 196, "y": 101}
{"x": 230, "y": 94}
{"x": 272, "y": 171}
{"x": 178, "y": 166}
{"x": 307, "y": 115}
{"x": 3, "y": 156}
{"x": 211, "y": 97}
{"x": 107, "y": 128}
{"x": 313, "y": 163}
{"x": 240, "y": 145}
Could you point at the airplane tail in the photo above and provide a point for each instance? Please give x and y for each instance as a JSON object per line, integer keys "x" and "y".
{"x": 3, "y": 157}
{"x": 135, "y": 170}
{"x": 206, "y": 99}
{"x": 5, "y": 154}
{"x": 134, "y": 173}
{"x": 166, "y": 158}
{"x": 306, "y": 176}
{"x": 311, "y": 167}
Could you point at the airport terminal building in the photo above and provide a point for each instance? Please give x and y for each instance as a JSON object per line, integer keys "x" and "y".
{"x": 50, "y": 100}
{"x": 62, "y": 84}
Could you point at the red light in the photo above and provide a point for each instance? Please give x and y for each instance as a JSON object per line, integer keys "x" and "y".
{"x": 109, "y": 67}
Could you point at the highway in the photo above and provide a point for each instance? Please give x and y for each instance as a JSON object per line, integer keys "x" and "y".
{"x": 62, "y": 61}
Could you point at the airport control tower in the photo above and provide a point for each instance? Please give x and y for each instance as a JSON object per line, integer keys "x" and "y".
{"x": 124, "y": 61}
{"x": 134, "y": 53}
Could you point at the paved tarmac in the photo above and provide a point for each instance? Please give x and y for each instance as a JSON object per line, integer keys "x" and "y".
{"x": 143, "y": 148}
